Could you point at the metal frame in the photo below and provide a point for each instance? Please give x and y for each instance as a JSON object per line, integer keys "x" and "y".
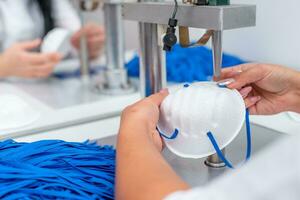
{"x": 205, "y": 17}
{"x": 151, "y": 14}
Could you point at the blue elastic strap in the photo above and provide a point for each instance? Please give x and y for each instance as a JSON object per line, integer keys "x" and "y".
{"x": 218, "y": 150}
{"x": 173, "y": 135}
{"x": 215, "y": 144}
{"x": 248, "y": 132}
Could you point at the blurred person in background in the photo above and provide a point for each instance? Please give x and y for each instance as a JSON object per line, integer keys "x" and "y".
{"x": 23, "y": 24}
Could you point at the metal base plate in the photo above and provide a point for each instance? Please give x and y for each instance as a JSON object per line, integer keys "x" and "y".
{"x": 196, "y": 173}
{"x": 114, "y": 82}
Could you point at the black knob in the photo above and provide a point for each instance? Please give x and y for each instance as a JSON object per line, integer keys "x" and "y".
{"x": 169, "y": 40}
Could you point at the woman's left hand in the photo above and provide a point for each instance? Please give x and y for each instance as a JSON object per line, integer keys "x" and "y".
{"x": 95, "y": 39}
{"x": 142, "y": 117}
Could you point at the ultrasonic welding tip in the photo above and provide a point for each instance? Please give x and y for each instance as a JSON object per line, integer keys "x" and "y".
{"x": 217, "y": 52}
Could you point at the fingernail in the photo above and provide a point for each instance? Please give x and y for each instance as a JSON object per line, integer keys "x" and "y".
{"x": 255, "y": 99}
{"x": 163, "y": 91}
{"x": 245, "y": 91}
{"x": 225, "y": 82}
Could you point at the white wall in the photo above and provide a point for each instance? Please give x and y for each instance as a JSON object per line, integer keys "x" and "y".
{"x": 275, "y": 39}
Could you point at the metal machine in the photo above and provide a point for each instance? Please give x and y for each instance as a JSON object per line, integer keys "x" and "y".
{"x": 212, "y": 15}
{"x": 114, "y": 80}
{"x": 153, "y": 16}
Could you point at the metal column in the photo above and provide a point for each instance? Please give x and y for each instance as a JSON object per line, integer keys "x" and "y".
{"x": 214, "y": 160}
{"x": 152, "y": 62}
{"x": 114, "y": 36}
{"x": 83, "y": 49}
{"x": 115, "y": 77}
{"x": 217, "y": 52}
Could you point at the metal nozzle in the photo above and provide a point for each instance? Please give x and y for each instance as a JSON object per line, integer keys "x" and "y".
{"x": 217, "y": 52}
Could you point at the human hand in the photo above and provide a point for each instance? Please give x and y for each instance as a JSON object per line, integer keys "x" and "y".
{"x": 267, "y": 89}
{"x": 19, "y": 61}
{"x": 143, "y": 117}
{"x": 95, "y": 39}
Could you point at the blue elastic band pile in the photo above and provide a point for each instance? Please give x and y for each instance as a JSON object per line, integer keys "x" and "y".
{"x": 54, "y": 169}
{"x": 188, "y": 64}
{"x": 183, "y": 65}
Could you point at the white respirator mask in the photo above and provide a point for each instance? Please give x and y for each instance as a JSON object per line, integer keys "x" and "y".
{"x": 192, "y": 114}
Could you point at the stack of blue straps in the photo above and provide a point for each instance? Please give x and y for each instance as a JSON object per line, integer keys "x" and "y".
{"x": 54, "y": 169}
{"x": 183, "y": 65}
{"x": 188, "y": 64}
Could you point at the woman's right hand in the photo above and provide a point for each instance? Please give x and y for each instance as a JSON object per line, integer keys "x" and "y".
{"x": 20, "y": 62}
{"x": 267, "y": 89}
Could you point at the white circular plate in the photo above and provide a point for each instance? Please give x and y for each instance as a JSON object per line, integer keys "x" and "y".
{"x": 15, "y": 113}
{"x": 196, "y": 110}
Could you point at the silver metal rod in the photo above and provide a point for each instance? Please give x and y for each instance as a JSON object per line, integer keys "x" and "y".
{"x": 114, "y": 36}
{"x": 84, "y": 53}
{"x": 115, "y": 76}
{"x": 217, "y": 52}
{"x": 214, "y": 160}
{"x": 152, "y": 72}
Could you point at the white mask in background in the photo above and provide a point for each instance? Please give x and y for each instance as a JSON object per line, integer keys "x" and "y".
{"x": 196, "y": 109}
{"x": 57, "y": 40}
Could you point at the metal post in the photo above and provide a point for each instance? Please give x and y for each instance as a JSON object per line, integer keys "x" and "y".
{"x": 152, "y": 62}
{"x": 84, "y": 54}
{"x": 214, "y": 160}
{"x": 217, "y": 52}
{"x": 115, "y": 76}
{"x": 114, "y": 36}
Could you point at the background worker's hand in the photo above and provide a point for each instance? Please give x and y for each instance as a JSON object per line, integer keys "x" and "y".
{"x": 95, "y": 39}
{"x": 267, "y": 89}
{"x": 143, "y": 116}
{"x": 19, "y": 61}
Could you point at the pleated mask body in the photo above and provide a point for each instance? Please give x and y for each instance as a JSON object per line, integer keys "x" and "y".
{"x": 196, "y": 109}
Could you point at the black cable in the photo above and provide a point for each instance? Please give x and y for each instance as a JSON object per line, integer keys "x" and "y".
{"x": 175, "y": 9}
{"x": 170, "y": 38}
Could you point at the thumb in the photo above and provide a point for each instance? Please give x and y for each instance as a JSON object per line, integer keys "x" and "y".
{"x": 158, "y": 97}
{"x": 28, "y": 45}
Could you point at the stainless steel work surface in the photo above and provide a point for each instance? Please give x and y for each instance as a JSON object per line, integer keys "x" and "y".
{"x": 64, "y": 103}
{"x": 206, "y": 17}
{"x": 196, "y": 173}
{"x": 62, "y": 93}
{"x": 59, "y": 93}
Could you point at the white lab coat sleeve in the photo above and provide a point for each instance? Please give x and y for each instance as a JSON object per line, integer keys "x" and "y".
{"x": 274, "y": 174}
{"x": 65, "y": 15}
